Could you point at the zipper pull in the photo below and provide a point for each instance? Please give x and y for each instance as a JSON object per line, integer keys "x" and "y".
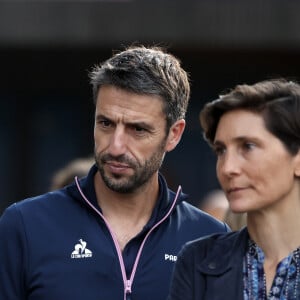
{"x": 128, "y": 289}
{"x": 128, "y": 297}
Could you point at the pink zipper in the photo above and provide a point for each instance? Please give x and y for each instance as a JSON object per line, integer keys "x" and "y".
{"x": 127, "y": 282}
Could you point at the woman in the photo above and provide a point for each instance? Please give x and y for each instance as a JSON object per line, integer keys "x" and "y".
{"x": 255, "y": 133}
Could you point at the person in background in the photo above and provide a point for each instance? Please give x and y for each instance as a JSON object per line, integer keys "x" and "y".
{"x": 64, "y": 176}
{"x": 114, "y": 234}
{"x": 255, "y": 132}
{"x": 215, "y": 204}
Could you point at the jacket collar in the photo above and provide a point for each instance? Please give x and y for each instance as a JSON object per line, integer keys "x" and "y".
{"x": 166, "y": 196}
{"x": 225, "y": 253}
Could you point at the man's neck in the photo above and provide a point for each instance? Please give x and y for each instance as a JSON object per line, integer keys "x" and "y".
{"x": 127, "y": 214}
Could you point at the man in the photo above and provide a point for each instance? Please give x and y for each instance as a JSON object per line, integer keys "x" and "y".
{"x": 114, "y": 234}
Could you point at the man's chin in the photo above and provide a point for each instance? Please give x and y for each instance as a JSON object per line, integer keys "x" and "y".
{"x": 118, "y": 184}
{"x": 121, "y": 189}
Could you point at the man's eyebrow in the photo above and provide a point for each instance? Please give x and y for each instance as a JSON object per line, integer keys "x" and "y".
{"x": 140, "y": 124}
{"x": 101, "y": 117}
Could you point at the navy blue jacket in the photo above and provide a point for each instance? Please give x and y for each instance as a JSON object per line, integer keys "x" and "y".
{"x": 211, "y": 268}
{"x": 57, "y": 246}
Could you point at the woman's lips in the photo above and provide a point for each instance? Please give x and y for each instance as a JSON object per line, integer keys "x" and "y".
{"x": 235, "y": 190}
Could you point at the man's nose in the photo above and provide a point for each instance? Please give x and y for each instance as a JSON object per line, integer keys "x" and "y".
{"x": 118, "y": 142}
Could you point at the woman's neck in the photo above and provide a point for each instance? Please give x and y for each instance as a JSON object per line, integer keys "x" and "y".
{"x": 276, "y": 234}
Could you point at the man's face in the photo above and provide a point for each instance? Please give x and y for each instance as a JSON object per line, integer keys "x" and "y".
{"x": 130, "y": 138}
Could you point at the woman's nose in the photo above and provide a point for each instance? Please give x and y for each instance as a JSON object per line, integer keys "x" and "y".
{"x": 228, "y": 164}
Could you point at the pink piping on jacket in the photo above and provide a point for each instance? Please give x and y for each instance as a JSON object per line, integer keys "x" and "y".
{"x": 127, "y": 282}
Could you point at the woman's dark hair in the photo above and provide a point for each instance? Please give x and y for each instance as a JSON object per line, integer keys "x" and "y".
{"x": 277, "y": 100}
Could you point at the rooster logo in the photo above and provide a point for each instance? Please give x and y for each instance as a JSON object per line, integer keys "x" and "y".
{"x": 80, "y": 250}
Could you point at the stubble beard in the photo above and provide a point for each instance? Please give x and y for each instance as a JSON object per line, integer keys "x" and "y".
{"x": 126, "y": 184}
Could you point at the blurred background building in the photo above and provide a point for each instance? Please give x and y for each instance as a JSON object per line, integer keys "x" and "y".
{"x": 48, "y": 47}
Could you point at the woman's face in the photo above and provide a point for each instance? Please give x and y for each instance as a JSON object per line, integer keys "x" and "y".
{"x": 253, "y": 167}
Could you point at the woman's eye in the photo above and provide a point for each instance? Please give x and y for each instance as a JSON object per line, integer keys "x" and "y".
{"x": 248, "y": 146}
{"x": 219, "y": 150}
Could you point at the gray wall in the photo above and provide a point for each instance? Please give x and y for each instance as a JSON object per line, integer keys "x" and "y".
{"x": 202, "y": 23}
{"x": 47, "y": 48}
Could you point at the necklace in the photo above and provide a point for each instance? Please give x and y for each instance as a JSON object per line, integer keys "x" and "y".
{"x": 285, "y": 284}
{"x": 292, "y": 273}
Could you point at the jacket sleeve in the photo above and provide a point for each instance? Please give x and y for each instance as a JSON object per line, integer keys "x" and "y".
{"x": 182, "y": 278}
{"x": 12, "y": 253}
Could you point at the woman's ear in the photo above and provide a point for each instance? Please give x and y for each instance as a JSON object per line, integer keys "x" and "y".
{"x": 297, "y": 168}
{"x": 175, "y": 134}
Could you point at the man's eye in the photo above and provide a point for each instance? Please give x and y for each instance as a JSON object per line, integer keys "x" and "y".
{"x": 139, "y": 129}
{"x": 105, "y": 123}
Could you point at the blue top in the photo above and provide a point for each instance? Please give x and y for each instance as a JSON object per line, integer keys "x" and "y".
{"x": 59, "y": 246}
{"x": 285, "y": 284}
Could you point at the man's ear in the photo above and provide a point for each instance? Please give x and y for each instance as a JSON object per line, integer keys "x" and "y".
{"x": 175, "y": 134}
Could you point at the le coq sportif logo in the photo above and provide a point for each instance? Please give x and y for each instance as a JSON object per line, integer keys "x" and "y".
{"x": 81, "y": 251}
